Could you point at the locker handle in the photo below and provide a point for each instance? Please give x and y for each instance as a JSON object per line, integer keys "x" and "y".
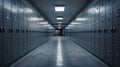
{"x": 118, "y": 15}
{"x": 94, "y": 31}
{"x": 91, "y": 31}
{"x": 30, "y": 31}
{"x": 10, "y": 30}
{"x": 105, "y": 30}
{"x": 87, "y": 31}
{"x": 22, "y": 31}
{"x": 3, "y": 29}
{"x": 99, "y": 31}
{"x": 109, "y": 18}
{"x": 0, "y": 29}
{"x": 17, "y": 30}
{"x": 26, "y": 31}
{"x": 113, "y": 29}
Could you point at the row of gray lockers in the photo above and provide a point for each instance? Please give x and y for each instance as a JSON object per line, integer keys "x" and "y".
{"x": 18, "y": 34}
{"x": 100, "y": 32}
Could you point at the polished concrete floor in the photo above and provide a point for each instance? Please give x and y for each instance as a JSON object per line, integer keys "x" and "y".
{"x": 59, "y": 52}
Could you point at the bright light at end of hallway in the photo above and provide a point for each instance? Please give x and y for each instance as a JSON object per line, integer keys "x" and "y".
{"x": 59, "y": 61}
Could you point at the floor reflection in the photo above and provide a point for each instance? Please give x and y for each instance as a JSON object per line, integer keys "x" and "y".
{"x": 59, "y": 61}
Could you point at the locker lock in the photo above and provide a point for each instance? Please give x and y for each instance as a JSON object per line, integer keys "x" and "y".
{"x": 17, "y": 30}
{"x": 94, "y": 31}
{"x": 118, "y": 15}
{"x": 91, "y": 31}
{"x": 99, "y": 31}
{"x": 2, "y": 29}
{"x": 26, "y": 31}
{"x": 22, "y": 31}
{"x": 105, "y": 30}
{"x": 10, "y": 30}
{"x": 113, "y": 29}
{"x": 30, "y": 31}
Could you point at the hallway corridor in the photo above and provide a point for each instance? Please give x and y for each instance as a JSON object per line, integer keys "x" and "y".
{"x": 59, "y": 52}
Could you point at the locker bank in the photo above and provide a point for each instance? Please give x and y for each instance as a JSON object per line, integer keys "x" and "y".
{"x": 59, "y": 33}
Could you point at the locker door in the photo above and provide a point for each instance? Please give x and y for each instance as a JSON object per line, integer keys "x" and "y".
{"x": 91, "y": 49}
{"x": 102, "y": 27}
{"x": 25, "y": 28}
{"x": 109, "y": 38}
{"x": 108, "y": 33}
{"x": 116, "y": 56}
{"x": 29, "y": 37}
{"x": 116, "y": 3}
{"x": 1, "y": 33}
{"x": 14, "y": 27}
{"x": 116, "y": 34}
{"x": 89, "y": 34}
{"x": 8, "y": 32}
{"x": 20, "y": 40}
{"x": 96, "y": 28}
{"x": 23, "y": 25}
{"x": 92, "y": 34}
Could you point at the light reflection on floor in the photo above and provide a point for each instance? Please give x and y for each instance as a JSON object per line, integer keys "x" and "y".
{"x": 59, "y": 61}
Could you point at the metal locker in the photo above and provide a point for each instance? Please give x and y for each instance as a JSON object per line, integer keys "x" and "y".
{"x": 108, "y": 43}
{"x": 102, "y": 27}
{"x": 102, "y": 14}
{"x": 90, "y": 33}
{"x": 29, "y": 35}
{"x": 93, "y": 35}
{"x": 15, "y": 28}
{"x": 26, "y": 35}
{"x": 116, "y": 3}
{"x": 116, "y": 26}
{"x": 116, "y": 56}
{"x": 19, "y": 51}
{"x": 108, "y": 33}
{"x": 116, "y": 34}
{"x": 96, "y": 28}
{"x": 21, "y": 39}
{"x": 1, "y": 33}
{"x": 25, "y": 28}
{"x": 29, "y": 40}
{"x": 8, "y": 32}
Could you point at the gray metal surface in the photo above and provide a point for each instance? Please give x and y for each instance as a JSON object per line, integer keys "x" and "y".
{"x": 46, "y": 55}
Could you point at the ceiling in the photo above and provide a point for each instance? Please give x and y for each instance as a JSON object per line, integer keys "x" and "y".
{"x": 72, "y": 9}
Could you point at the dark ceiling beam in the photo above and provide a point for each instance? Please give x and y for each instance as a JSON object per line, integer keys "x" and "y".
{"x": 39, "y": 11}
{"x": 75, "y": 16}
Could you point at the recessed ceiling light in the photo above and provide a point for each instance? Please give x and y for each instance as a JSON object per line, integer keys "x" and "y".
{"x": 75, "y": 23}
{"x": 35, "y": 19}
{"x": 59, "y": 18}
{"x": 59, "y": 22}
{"x": 59, "y": 8}
{"x": 71, "y": 25}
{"x": 80, "y": 19}
{"x": 43, "y": 23}
{"x": 47, "y": 25}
